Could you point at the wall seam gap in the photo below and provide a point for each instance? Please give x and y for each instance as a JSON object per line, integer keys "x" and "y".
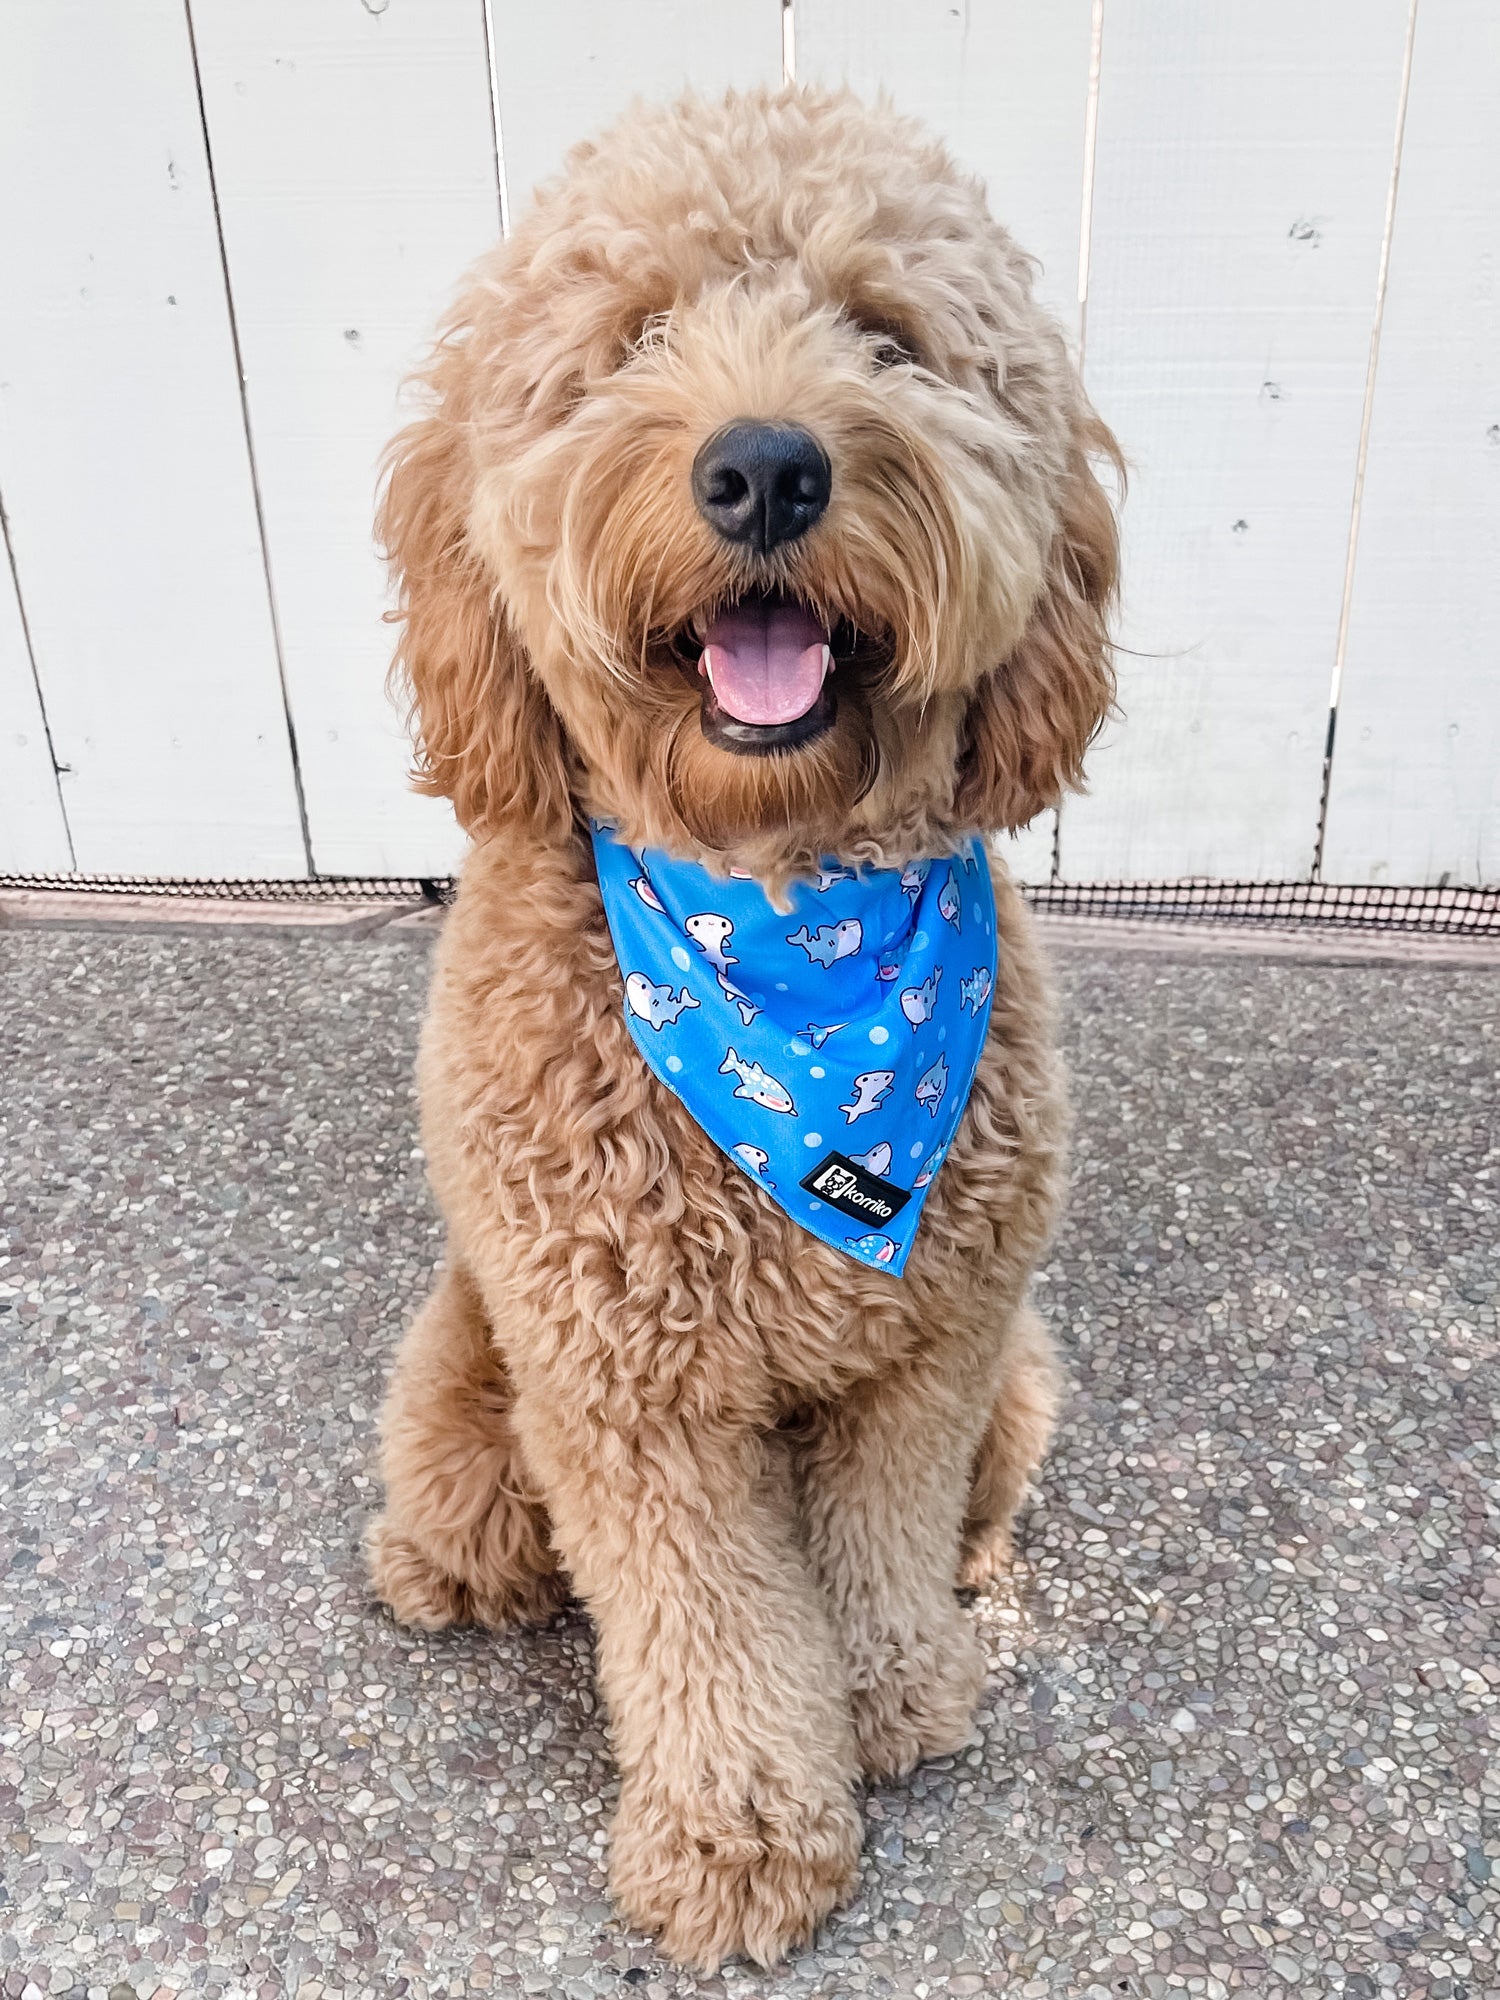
{"x": 1090, "y": 154}
{"x": 36, "y": 681}
{"x": 1085, "y": 260}
{"x": 502, "y": 185}
{"x": 1362, "y": 455}
{"x": 260, "y": 514}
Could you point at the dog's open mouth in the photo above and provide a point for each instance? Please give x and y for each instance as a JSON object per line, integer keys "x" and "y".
{"x": 765, "y": 664}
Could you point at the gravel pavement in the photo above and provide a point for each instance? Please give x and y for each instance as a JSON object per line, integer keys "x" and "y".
{"x": 1240, "y": 1728}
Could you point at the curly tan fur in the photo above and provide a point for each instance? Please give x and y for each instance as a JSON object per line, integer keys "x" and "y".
{"x": 758, "y": 1463}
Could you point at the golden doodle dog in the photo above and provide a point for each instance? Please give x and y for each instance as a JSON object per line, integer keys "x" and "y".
{"x": 763, "y": 367}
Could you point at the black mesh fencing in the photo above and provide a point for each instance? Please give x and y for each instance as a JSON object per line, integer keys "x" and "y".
{"x": 1448, "y": 912}
{"x": 1361, "y": 906}
{"x": 310, "y": 889}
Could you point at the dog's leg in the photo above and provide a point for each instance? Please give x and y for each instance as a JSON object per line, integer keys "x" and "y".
{"x": 1014, "y": 1443}
{"x": 736, "y": 1830}
{"x": 461, "y": 1541}
{"x": 885, "y": 1482}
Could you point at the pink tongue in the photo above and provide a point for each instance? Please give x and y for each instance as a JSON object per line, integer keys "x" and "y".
{"x": 766, "y": 662}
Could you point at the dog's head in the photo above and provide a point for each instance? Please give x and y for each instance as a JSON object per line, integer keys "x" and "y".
{"x": 754, "y": 510}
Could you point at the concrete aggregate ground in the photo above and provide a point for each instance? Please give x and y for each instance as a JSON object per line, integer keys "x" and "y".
{"x": 1240, "y": 1731}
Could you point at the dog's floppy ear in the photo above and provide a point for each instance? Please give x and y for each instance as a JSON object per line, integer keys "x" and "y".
{"x": 1031, "y": 719}
{"x": 486, "y": 735}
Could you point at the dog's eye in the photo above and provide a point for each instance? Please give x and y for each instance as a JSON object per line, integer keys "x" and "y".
{"x": 892, "y": 353}
{"x": 891, "y": 346}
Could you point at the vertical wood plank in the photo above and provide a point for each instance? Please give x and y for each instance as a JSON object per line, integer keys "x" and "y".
{"x": 1006, "y": 84}
{"x": 127, "y": 479}
{"x": 33, "y": 833}
{"x": 1415, "y": 786}
{"x": 564, "y": 69}
{"x": 1241, "y": 174}
{"x": 354, "y": 155}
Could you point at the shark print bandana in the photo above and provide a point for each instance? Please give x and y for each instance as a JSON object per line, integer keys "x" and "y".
{"x": 829, "y": 1053}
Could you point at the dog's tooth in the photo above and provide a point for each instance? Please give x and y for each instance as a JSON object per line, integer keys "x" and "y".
{"x": 828, "y": 659}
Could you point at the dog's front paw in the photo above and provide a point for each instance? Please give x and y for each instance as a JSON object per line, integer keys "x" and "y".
{"x": 422, "y": 1593}
{"x": 919, "y": 1702}
{"x": 987, "y": 1553}
{"x": 711, "y": 1881}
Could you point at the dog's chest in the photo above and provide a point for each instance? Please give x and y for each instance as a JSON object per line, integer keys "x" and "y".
{"x": 561, "y": 1157}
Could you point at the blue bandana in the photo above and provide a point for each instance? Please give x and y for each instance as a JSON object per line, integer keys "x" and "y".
{"x": 829, "y": 1053}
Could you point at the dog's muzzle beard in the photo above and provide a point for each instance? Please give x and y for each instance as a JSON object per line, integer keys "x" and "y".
{"x": 728, "y": 780}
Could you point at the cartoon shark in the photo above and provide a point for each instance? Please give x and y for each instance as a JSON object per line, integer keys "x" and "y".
{"x": 887, "y": 970}
{"x": 748, "y": 1008}
{"x": 642, "y": 886}
{"x": 870, "y": 1089}
{"x": 828, "y": 876}
{"x": 755, "y": 1084}
{"x": 879, "y": 1249}
{"x": 877, "y": 1160}
{"x": 917, "y": 1002}
{"x": 913, "y": 875}
{"x": 755, "y": 1158}
{"x": 975, "y": 990}
{"x": 932, "y": 1085}
{"x": 950, "y": 901}
{"x": 815, "y": 1037}
{"x": 657, "y": 1006}
{"x": 830, "y": 941}
{"x": 930, "y": 1166}
{"x": 711, "y": 933}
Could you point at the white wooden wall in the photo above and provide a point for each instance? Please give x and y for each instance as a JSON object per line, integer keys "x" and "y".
{"x": 1414, "y": 795}
{"x": 1270, "y": 227}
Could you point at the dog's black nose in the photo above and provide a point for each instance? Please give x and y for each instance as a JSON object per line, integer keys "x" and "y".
{"x": 761, "y": 484}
